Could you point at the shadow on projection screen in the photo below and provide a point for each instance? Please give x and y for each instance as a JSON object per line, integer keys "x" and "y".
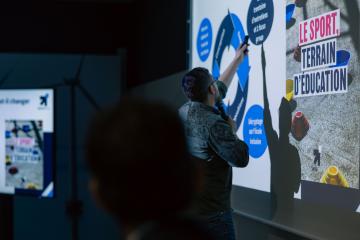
{"x": 295, "y": 98}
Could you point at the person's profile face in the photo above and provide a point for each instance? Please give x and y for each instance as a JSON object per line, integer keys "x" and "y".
{"x": 216, "y": 90}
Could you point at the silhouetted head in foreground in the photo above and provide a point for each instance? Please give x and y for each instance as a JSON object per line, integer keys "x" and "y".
{"x": 139, "y": 162}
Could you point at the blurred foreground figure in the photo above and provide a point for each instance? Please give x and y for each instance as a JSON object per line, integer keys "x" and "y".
{"x": 141, "y": 170}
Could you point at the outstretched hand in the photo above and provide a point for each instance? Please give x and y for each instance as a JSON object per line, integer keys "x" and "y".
{"x": 227, "y": 76}
{"x": 241, "y": 51}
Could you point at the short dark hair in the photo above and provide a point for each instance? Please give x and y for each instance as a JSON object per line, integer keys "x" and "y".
{"x": 195, "y": 84}
{"x": 138, "y": 154}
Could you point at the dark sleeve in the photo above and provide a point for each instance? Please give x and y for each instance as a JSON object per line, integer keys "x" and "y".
{"x": 224, "y": 142}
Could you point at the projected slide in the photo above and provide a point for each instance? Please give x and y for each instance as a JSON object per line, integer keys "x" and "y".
{"x": 26, "y": 122}
{"x": 295, "y": 98}
{"x": 218, "y": 28}
{"x": 323, "y": 79}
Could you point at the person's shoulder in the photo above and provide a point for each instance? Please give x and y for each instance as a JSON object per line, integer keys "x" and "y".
{"x": 200, "y": 113}
{"x": 186, "y": 104}
{"x": 183, "y": 110}
{"x": 212, "y": 119}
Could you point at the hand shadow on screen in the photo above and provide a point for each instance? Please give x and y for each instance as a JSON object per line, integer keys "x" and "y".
{"x": 290, "y": 23}
{"x": 284, "y": 157}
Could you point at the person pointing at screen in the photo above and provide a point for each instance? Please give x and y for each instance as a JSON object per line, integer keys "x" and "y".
{"x": 213, "y": 142}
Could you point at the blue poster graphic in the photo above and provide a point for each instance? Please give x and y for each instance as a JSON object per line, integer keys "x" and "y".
{"x": 259, "y": 20}
{"x": 254, "y": 131}
{"x": 204, "y": 39}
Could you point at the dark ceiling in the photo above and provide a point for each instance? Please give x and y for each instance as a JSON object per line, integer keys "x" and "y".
{"x": 153, "y": 33}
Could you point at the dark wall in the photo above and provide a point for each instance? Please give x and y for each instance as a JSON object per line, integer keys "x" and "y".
{"x": 101, "y": 77}
{"x": 56, "y": 26}
{"x": 166, "y": 90}
{"x": 159, "y": 47}
{"x": 152, "y": 32}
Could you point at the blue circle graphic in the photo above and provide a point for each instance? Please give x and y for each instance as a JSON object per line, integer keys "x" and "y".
{"x": 254, "y": 131}
{"x": 259, "y": 20}
{"x": 204, "y": 39}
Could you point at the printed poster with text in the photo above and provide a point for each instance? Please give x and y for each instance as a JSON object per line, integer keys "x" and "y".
{"x": 322, "y": 83}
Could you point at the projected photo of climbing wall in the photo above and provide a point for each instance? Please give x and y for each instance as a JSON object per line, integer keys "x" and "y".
{"x": 24, "y": 155}
{"x": 323, "y": 79}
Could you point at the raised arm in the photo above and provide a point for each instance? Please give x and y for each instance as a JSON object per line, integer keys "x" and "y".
{"x": 230, "y": 71}
{"x": 271, "y": 134}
